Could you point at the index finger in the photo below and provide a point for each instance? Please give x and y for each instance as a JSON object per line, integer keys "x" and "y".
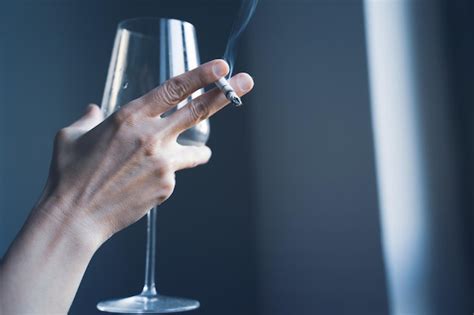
{"x": 173, "y": 91}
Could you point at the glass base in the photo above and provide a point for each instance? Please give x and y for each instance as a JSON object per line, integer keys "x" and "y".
{"x": 139, "y": 304}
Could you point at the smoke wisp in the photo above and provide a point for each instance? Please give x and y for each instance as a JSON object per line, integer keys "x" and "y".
{"x": 246, "y": 11}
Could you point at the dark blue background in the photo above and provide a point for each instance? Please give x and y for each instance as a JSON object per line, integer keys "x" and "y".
{"x": 282, "y": 221}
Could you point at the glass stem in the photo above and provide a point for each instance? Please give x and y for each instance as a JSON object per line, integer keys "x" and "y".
{"x": 149, "y": 287}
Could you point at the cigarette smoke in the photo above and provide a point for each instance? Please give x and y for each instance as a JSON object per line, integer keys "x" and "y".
{"x": 246, "y": 11}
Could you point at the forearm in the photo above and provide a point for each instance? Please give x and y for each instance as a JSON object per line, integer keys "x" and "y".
{"x": 43, "y": 267}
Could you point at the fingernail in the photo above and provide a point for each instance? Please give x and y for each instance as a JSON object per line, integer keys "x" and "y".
{"x": 245, "y": 82}
{"x": 219, "y": 69}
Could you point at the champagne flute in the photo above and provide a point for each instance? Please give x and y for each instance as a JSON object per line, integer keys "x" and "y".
{"x": 147, "y": 52}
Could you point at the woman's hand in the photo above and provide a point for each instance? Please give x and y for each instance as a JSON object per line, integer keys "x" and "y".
{"x": 105, "y": 175}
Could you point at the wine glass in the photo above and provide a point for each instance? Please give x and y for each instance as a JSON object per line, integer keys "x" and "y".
{"x": 147, "y": 52}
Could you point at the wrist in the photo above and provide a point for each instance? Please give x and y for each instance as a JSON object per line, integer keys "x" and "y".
{"x": 51, "y": 251}
{"x": 66, "y": 222}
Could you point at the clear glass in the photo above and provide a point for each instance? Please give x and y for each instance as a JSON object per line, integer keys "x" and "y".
{"x": 147, "y": 52}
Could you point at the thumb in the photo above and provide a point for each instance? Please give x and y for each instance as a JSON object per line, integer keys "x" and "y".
{"x": 92, "y": 117}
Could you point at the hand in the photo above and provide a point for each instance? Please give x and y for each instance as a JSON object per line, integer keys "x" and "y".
{"x": 107, "y": 174}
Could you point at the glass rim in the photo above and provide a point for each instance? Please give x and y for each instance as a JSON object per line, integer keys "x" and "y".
{"x": 122, "y": 25}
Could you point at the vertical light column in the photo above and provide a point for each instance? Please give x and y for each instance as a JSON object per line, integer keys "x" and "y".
{"x": 416, "y": 161}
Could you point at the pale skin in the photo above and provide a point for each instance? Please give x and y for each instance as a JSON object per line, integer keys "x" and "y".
{"x": 104, "y": 176}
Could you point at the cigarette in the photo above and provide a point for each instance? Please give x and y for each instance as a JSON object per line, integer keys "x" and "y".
{"x": 228, "y": 91}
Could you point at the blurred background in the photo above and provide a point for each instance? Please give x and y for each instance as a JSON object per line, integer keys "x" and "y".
{"x": 285, "y": 218}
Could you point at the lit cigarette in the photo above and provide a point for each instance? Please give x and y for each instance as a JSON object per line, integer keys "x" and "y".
{"x": 228, "y": 91}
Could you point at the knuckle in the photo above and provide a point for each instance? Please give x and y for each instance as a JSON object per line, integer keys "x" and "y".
{"x": 147, "y": 144}
{"x": 174, "y": 90}
{"x": 166, "y": 189}
{"x": 62, "y": 135}
{"x": 167, "y": 185}
{"x": 118, "y": 118}
{"x": 162, "y": 169}
{"x": 157, "y": 95}
{"x": 124, "y": 117}
{"x": 161, "y": 199}
{"x": 198, "y": 110}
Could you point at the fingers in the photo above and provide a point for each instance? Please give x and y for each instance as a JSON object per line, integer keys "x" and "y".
{"x": 191, "y": 156}
{"x": 92, "y": 117}
{"x": 177, "y": 89}
{"x": 206, "y": 105}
